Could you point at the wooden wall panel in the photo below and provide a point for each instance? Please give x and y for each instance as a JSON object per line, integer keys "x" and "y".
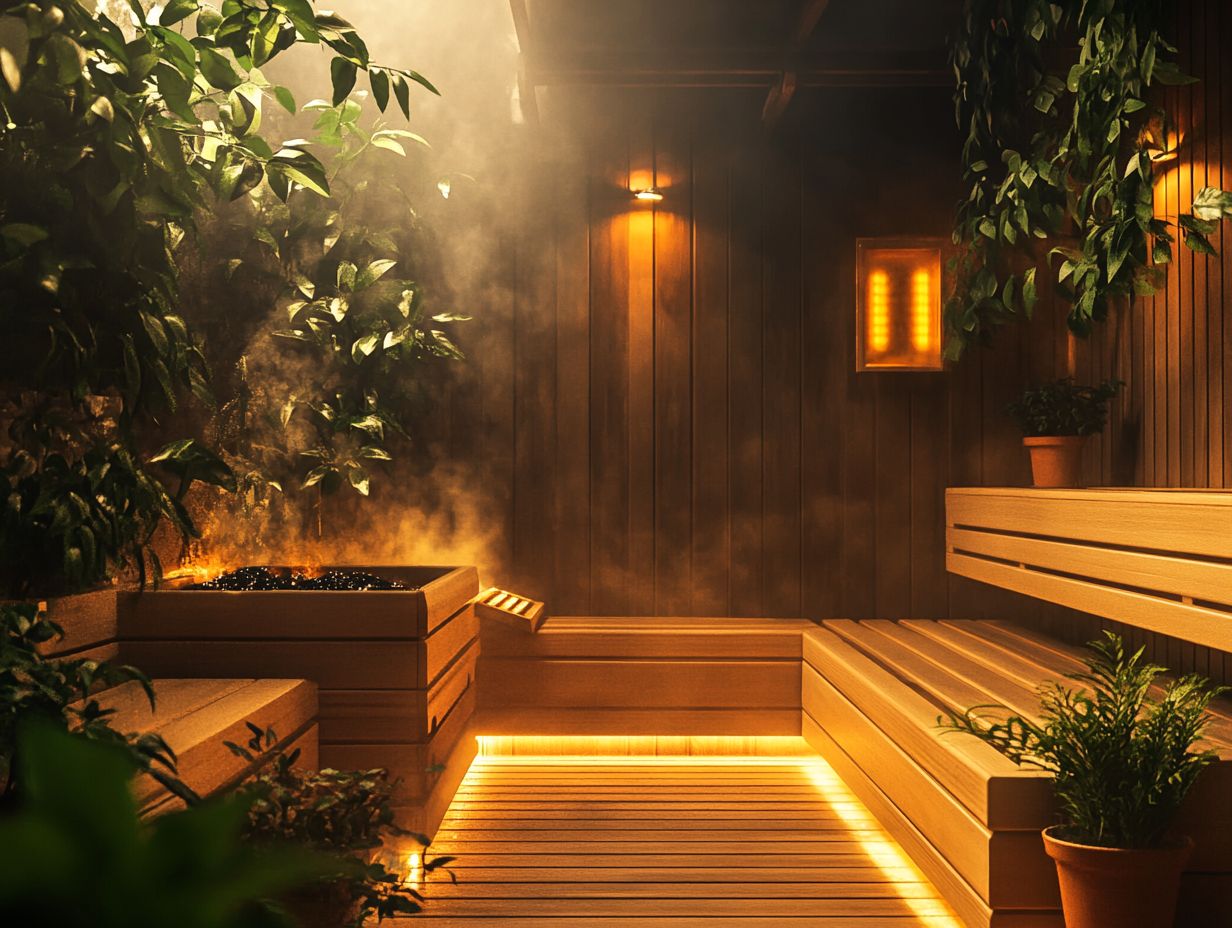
{"x": 681, "y": 428}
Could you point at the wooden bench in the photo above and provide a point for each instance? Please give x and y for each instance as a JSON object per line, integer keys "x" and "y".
{"x": 641, "y": 676}
{"x": 194, "y": 717}
{"x": 872, "y": 692}
{"x": 1159, "y": 560}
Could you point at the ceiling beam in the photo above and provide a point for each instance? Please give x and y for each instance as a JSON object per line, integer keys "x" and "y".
{"x": 527, "y": 88}
{"x": 781, "y": 94}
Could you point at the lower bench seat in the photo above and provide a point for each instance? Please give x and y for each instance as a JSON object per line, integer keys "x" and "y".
{"x": 872, "y": 692}
{"x": 197, "y": 717}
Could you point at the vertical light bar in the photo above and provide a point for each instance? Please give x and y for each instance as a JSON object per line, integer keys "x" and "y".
{"x": 921, "y": 310}
{"x": 879, "y": 311}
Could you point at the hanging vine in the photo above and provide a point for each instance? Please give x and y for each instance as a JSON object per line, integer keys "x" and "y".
{"x": 1063, "y": 133}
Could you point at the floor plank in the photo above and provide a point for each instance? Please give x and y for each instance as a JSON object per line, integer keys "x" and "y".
{"x": 633, "y": 842}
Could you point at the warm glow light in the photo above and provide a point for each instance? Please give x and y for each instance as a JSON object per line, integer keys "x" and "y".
{"x": 649, "y": 194}
{"x": 921, "y": 310}
{"x": 646, "y": 748}
{"x": 898, "y": 304}
{"x": 414, "y": 868}
{"x": 885, "y": 854}
{"x": 879, "y": 311}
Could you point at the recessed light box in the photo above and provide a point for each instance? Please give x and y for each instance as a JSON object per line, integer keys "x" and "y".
{"x": 898, "y": 304}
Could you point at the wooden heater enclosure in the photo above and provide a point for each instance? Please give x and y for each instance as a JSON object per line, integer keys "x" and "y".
{"x": 394, "y": 668}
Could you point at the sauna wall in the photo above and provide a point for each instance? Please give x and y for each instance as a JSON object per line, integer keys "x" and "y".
{"x": 664, "y": 401}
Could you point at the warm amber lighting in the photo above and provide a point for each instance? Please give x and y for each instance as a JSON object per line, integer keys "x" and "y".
{"x": 887, "y": 856}
{"x": 414, "y": 868}
{"x": 898, "y": 304}
{"x": 649, "y": 195}
{"x": 643, "y": 747}
{"x": 879, "y": 311}
{"x": 921, "y": 310}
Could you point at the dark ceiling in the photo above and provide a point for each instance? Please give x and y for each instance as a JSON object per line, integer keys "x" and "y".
{"x": 734, "y": 42}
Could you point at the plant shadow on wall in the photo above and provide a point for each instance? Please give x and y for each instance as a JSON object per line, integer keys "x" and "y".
{"x": 115, "y": 141}
{"x": 1060, "y": 106}
{"x": 327, "y": 381}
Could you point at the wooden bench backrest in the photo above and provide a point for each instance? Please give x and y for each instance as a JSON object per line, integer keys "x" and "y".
{"x": 1160, "y": 560}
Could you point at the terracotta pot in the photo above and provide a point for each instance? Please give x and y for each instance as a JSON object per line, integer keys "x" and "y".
{"x": 1104, "y": 887}
{"x": 1056, "y": 460}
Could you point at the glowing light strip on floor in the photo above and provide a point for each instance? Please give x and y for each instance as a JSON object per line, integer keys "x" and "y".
{"x": 884, "y": 853}
{"x": 880, "y": 849}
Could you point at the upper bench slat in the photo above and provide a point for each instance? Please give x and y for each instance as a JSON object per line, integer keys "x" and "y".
{"x": 1160, "y": 560}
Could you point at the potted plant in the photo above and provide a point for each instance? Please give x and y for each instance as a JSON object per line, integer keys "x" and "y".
{"x": 344, "y": 813}
{"x": 1056, "y": 419}
{"x": 1122, "y": 752}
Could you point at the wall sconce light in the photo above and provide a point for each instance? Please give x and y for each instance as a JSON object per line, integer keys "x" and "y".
{"x": 898, "y": 304}
{"x": 648, "y": 195}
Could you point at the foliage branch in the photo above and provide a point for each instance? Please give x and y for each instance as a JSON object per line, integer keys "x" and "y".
{"x": 1122, "y": 750}
{"x": 1064, "y": 408}
{"x": 344, "y": 310}
{"x": 61, "y": 693}
{"x": 76, "y": 854}
{"x": 1063, "y": 131}
{"x": 112, "y": 141}
{"x": 346, "y": 813}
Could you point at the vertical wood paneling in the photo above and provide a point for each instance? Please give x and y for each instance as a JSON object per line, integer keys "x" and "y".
{"x": 609, "y": 376}
{"x": 696, "y": 440}
{"x": 641, "y": 223}
{"x": 571, "y": 535}
{"x": 711, "y": 522}
{"x": 745, "y": 364}
{"x": 781, "y": 387}
{"x": 672, "y": 376}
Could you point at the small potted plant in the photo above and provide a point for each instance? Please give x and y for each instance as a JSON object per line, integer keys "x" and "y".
{"x": 1056, "y": 419}
{"x": 1123, "y": 761}
{"x": 345, "y": 813}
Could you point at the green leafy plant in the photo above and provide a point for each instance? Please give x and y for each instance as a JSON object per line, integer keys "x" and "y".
{"x": 1058, "y": 104}
{"x": 336, "y": 270}
{"x": 345, "y": 813}
{"x": 60, "y": 693}
{"x": 1064, "y": 408}
{"x": 112, "y": 142}
{"x": 75, "y": 854}
{"x": 1123, "y": 759}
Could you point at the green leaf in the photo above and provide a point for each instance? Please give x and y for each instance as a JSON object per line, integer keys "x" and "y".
{"x": 218, "y": 70}
{"x": 347, "y": 274}
{"x": 378, "y": 80}
{"x": 372, "y": 273}
{"x": 1212, "y": 204}
{"x": 403, "y": 93}
{"x": 208, "y": 21}
{"x": 364, "y": 346}
{"x": 10, "y": 69}
{"x": 285, "y": 98}
{"x": 1029, "y": 295}
{"x": 23, "y": 234}
{"x": 177, "y": 10}
{"x": 342, "y": 75}
{"x": 359, "y": 479}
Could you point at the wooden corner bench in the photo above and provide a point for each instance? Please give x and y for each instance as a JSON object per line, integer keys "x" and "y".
{"x": 872, "y": 691}
{"x": 194, "y": 716}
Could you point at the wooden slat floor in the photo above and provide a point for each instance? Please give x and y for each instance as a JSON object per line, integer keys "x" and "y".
{"x": 675, "y": 842}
